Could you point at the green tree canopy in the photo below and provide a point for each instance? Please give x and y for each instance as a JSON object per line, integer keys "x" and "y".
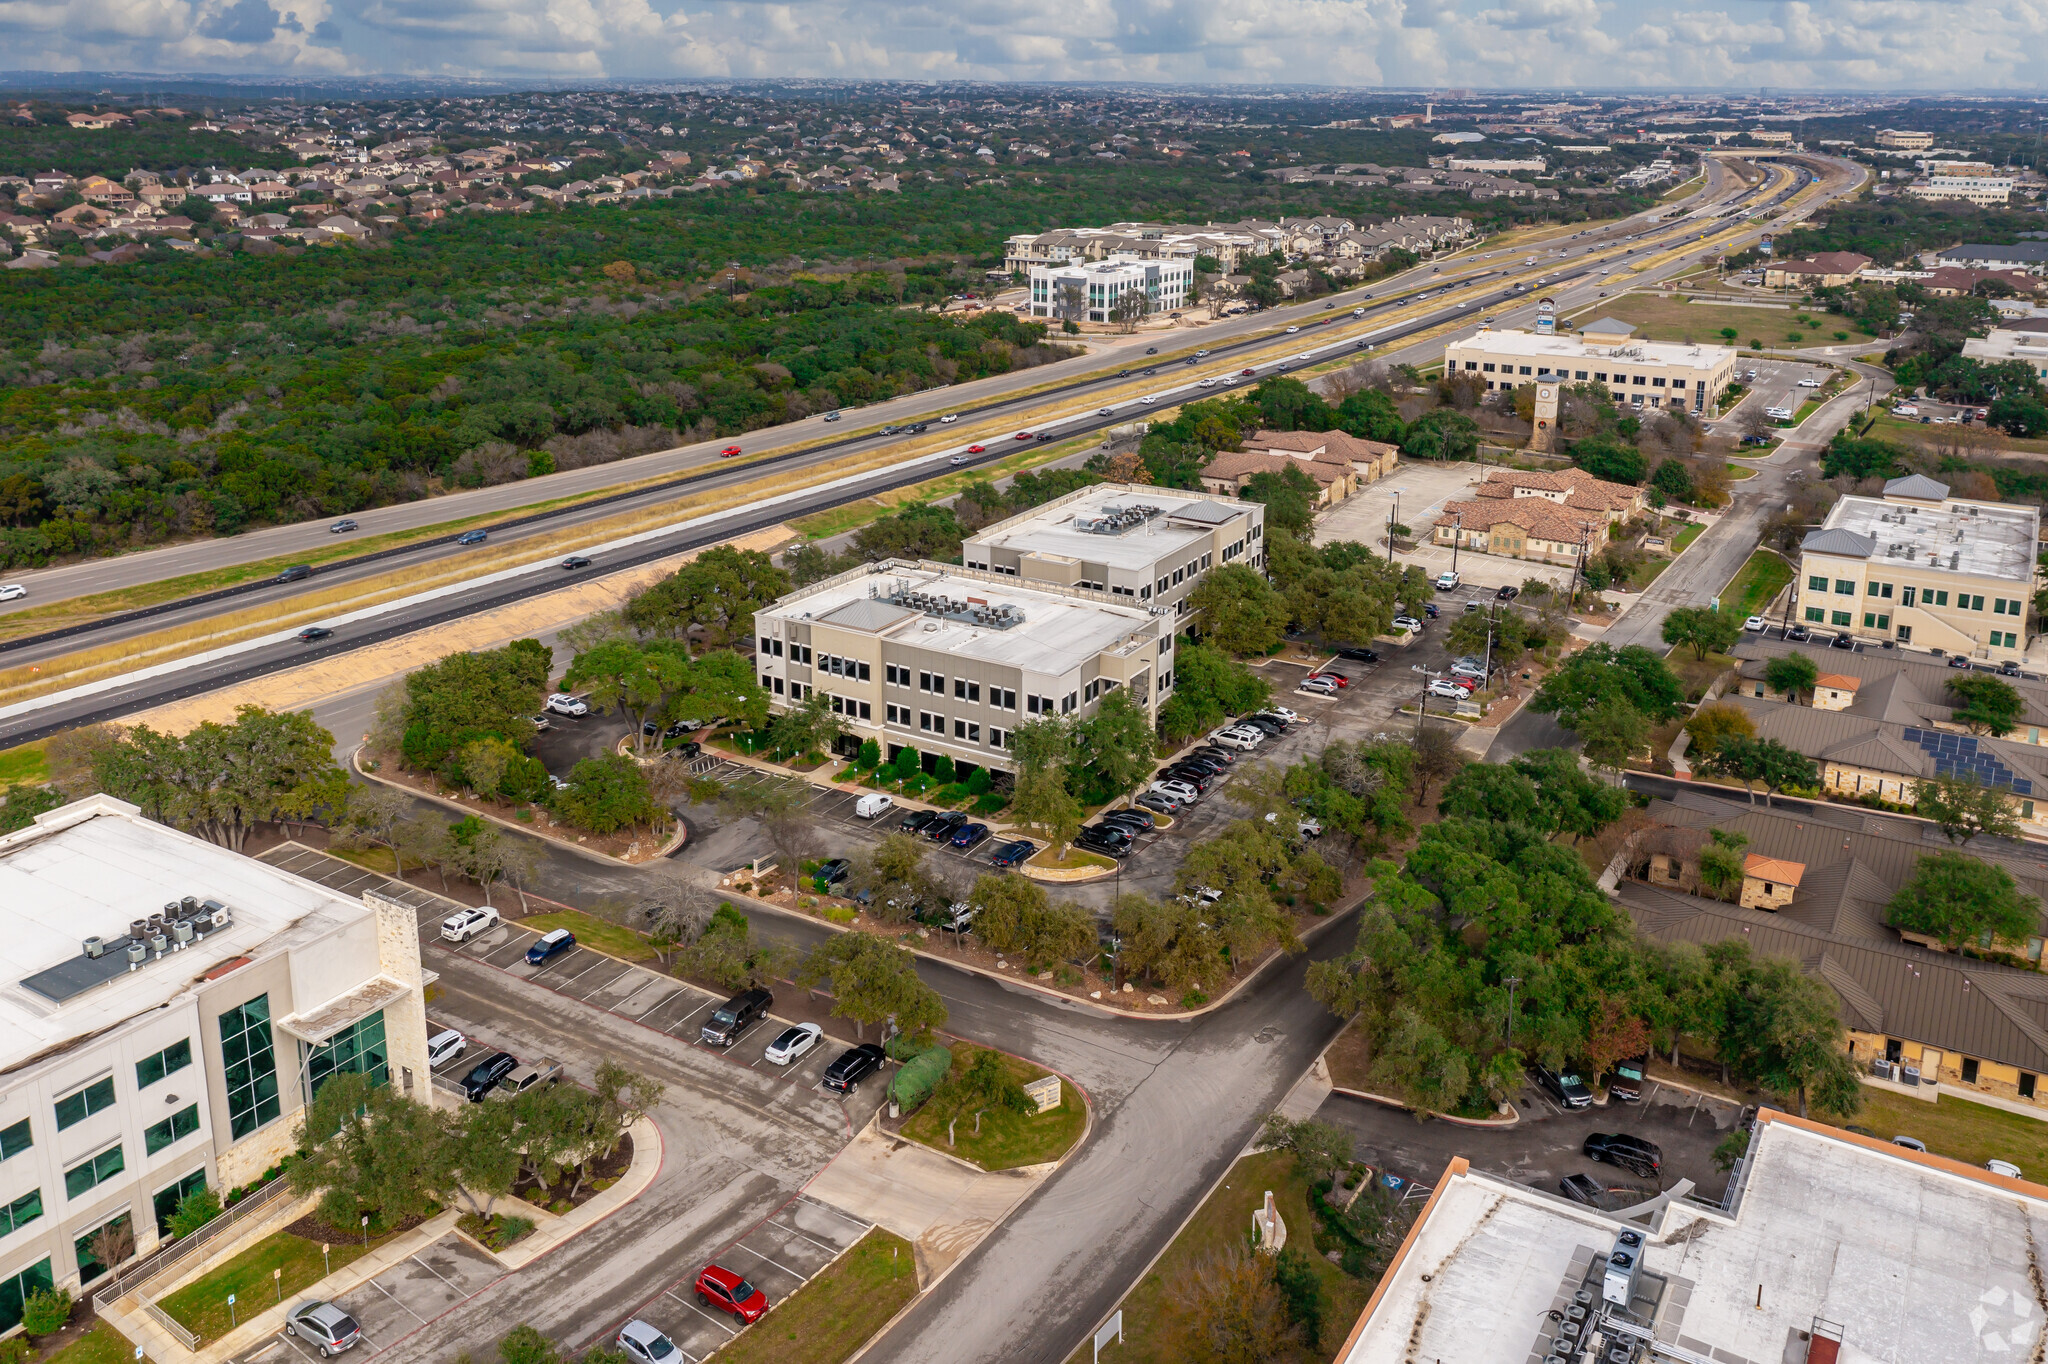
{"x": 1702, "y": 629}
{"x": 871, "y": 980}
{"x": 1598, "y": 672}
{"x": 1238, "y": 610}
{"x": 1986, "y": 704}
{"x": 1962, "y": 900}
{"x": 1791, "y": 674}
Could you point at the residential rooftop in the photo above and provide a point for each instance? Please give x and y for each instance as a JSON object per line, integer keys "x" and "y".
{"x": 1047, "y": 629}
{"x": 92, "y": 868}
{"x": 1118, "y": 525}
{"x": 1916, "y": 524}
{"x": 1905, "y": 1256}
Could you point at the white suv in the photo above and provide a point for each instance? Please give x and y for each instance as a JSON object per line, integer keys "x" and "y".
{"x": 562, "y": 703}
{"x": 466, "y": 925}
{"x": 1179, "y": 790}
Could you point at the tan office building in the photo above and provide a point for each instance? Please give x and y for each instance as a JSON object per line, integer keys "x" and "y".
{"x": 1639, "y": 373}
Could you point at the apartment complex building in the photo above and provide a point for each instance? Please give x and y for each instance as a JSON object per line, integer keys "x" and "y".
{"x": 1092, "y": 291}
{"x": 1229, "y": 244}
{"x": 1638, "y": 373}
{"x": 1924, "y": 569}
{"x": 1972, "y": 182}
{"x": 951, "y": 660}
{"x": 1146, "y": 545}
{"x": 170, "y": 1008}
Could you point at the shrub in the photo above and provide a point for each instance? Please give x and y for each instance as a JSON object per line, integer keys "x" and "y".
{"x": 913, "y": 1084}
{"x": 46, "y": 1311}
{"x": 869, "y": 756}
{"x": 942, "y": 769}
{"x": 17, "y": 1350}
{"x": 194, "y": 1211}
{"x": 980, "y": 782}
{"x": 989, "y": 804}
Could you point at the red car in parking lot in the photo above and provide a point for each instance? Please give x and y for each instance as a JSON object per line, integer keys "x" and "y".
{"x": 1339, "y": 678}
{"x": 727, "y": 1291}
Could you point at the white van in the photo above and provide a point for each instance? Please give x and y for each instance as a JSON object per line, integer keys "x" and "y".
{"x": 873, "y": 806}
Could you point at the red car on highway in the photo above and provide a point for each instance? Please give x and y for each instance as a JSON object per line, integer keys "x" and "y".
{"x": 728, "y": 452}
{"x": 1023, "y": 435}
{"x": 977, "y": 449}
{"x": 727, "y": 1291}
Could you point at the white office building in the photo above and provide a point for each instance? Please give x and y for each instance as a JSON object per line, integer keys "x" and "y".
{"x": 1089, "y": 291}
{"x": 168, "y": 1008}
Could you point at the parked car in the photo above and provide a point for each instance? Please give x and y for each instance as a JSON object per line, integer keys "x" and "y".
{"x": 1320, "y": 686}
{"x": 969, "y": 835}
{"x": 1199, "y": 778}
{"x": 941, "y": 829}
{"x": 1581, "y": 1189}
{"x": 1626, "y": 1081}
{"x": 639, "y": 1340}
{"x": 1447, "y": 580}
{"x": 1466, "y": 667}
{"x": 735, "y": 1016}
{"x": 1232, "y": 739}
{"x": 834, "y": 870}
{"x": 1639, "y": 1157}
{"x": 1179, "y": 790}
{"x": 324, "y": 1326}
{"x": 1429, "y": 612}
{"x": 1288, "y": 715}
{"x": 575, "y": 561}
{"x": 1799, "y": 633}
{"x": 728, "y": 1292}
{"x": 2009, "y": 669}
{"x": 1012, "y": 853}
{"x": 1843, "y": 641}
{"x": 954, "y": 918}
{"x": 916, "y": 820}
{"x": 1407, "y": 623}
{"x": 1362, "y": 655}
{"x": 484, "y": 1076}
{"x": 1156, "y": 801}
{"x": 1911, "y": 1144}
{"x": 1507, "y": 594}
{"x": 549, "y": 945}
{"x": 343, "y": 526}
{"x": 1272, "y": 726}
{"x": 852, "y": 1066}
{"x": 1444, "y": 687}
{"x": 1198, "y": 762}
{"x": 1754, "y": 623}
{"x": 472, "y": 537}
{"x": 466, "y": 924}
{"x": 2004, "y": 1167}
{"x": 1958, "y": 661}
{"x": 1565, "y": 1087}
{"x": 1106, "y": 839}
{"x": 534, "y": 1075}
{"x": 1216, "y": 751}
{"x": 445, "y": 1046}
{"x": 793, "y": 1042}
{"x": 689, "y": 748}
{"x": 873, "y": 806}
{"x": 562, "y": 703}
{"x": 1341, "y": 679}
{"x": 1132, "y": 822}
{"x": 314, "y": 632}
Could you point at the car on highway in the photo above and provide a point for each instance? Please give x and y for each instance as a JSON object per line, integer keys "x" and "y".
{"x": 1022, "y": 435}
{"x": 729, "y": 451}
{"x": 852, "y": 1066}
{"x": 792, "y": 1042}
{"x": 296, "y": 573}
{"x": 1563, "y": 1086}
{"x": 549, "y": 945}
{"x": 472, "y": 537}
{"x": 483, "y": 1077}
{"x": 1634, "y": 1154}
{"x": 831, "y": 416}
{"x": 1105, "y": 411}
{"x": 1292, "y": 330}
{"x": 949, "y": 419}
{"x": 313, "y": 632}
{"x": 324, "y": 1326}
{"x": 12, "y": 592}
{"x": 343, "y": 526}
{"x": 1148, "y": 400}
{"x": 728, "y": 1292}
{"x": 977, "y": 449}
{"x": 645, "y": 1345}
{"x": 1754, "y": 623}
{"x": 958, "y": 459}
{"x": 562, "y": 703}
{"x": 576, "y": 561}
{"x": 969, "y": 835}
{"x": 462, "y": 926}
{"x": 1012, "y": 853}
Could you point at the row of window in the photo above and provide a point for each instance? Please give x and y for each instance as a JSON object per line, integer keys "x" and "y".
{"x": 1910, "y": 595}
{"x": 1169, "y": 581}
{"x": 1044, "y": 705}
{"x": 843, "y": 667}
{"x": 856, "y": 710}
{"x": 967, "y": 731}
{"x": 1598, "y": 376}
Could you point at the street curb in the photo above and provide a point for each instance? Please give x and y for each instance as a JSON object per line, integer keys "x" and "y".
{"x": 1483, "y": 1124}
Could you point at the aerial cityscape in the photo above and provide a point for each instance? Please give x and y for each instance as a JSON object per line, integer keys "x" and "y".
{"x": 813, "y": 686}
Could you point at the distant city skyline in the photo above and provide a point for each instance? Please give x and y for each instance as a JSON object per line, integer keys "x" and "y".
{"x": 1822, "y": 46}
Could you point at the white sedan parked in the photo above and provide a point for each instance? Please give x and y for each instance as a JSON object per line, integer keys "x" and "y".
{"x": 793, "y": 1042}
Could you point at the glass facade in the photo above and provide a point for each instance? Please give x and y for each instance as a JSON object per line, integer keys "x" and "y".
{"x": 170, "y": 1196}
{"x": 96, "y": 1097}
{"x": 357, "y": 1049}
{"x": 21, "y": 1212}
{"x": 177, "y": 1127}
{"x": 171, "y": 1059}
{"x": 249, "y": 1065}
{"x": 15, "y": 1139}
{"x": 89, "y": 1266}
{"x": 87, "y": 1175}
{"x": 15, "y": 1288}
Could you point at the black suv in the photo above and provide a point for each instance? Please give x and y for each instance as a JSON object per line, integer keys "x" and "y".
{"x": 735, "y": 1016}
{"x": 916, "y": 820}
{"x": 852, "y": 1066}
{"x": 1638, "y": 1157}
{"x": 945, "y": 826}
{"x": 1105, "y": 838}
{"x": 484, "y": 1077}
{"x": 1133, "y": 822}
{"x": 1567, "y": 1088}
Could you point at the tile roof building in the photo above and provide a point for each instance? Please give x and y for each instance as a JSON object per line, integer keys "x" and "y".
{"x": 1825, "y": 270}
{"x": 1339, "y": 463}
{"x": 1534, "y": 513}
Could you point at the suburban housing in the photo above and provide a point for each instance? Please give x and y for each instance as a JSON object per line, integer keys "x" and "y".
{"x": 172, "y": 1007}
{"x": 1951, "y": 575}
{"x": 1638, "y": 373}
{"x": 1340, "y": 464}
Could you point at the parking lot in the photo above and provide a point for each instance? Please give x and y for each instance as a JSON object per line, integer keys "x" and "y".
{"x": 394, "y": 1303}
{"x": 778, "y": 1257}
{"x": 1776, "y": 385}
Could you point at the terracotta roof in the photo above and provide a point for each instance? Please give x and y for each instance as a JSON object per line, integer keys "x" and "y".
{"x": 1826, "y": 263}
{"x": 1330, "y": 444}
{"x": 1580, "y": 487}
{"x": 1838, "y": 682}
{"x": 1773, "y": 869}
{"x": 1544, "y": 519}
{"x": 1235, "y": 464}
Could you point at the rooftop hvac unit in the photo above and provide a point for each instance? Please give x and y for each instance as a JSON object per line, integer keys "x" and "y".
{"x": 137, "y": 954}
{"x": 182, "y": 934}
{"x": 95, "y": 948}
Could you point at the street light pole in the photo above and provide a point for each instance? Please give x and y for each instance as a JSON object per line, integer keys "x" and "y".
{"x": 1508, "y": 1031}
{"x": 1457, "y": 534}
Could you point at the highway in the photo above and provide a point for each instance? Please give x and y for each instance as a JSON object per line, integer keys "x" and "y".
{"x": 1403, "y": 309}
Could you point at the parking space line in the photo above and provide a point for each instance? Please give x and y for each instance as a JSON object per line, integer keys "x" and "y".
{"x": 597, "y": 959}
{"x": 742, "y": 1245}
{"x": 293, "y": 1341}
{"x": 800, "y": 1236}
{"x": 433, "y": 1271}
{"x": 688, "y": 1016}
{"x": 865, "y": 1227}
{"x": 700, "y": 1311}
{"x": 401, "y": 1302}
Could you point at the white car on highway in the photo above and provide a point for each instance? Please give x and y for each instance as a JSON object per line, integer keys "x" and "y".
{"x": 949, "y": 419}
{"x": 12, "y": 591}
{"x": 1292, "y": 330}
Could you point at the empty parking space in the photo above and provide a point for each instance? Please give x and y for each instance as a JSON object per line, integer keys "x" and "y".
{"x": 399, "y": 1300}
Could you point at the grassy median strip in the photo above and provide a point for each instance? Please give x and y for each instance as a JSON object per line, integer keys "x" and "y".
{"x": 837, "y": 1312}
{"x": 201, "y": 1306}
{"x": 1007, "y": 1139}
{"x": 614, "y": 940}
{"x": 1756, "y": 583}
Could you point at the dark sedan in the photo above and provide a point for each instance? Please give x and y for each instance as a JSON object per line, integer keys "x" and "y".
{"x": 916, "y": 820}
{"x": 313, "y": 632}
{"x": 968, "y": 835}
{"x": 1012, "y": 853}
{"x": 1362, "y": 655}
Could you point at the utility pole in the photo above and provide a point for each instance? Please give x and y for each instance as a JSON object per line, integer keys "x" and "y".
{"x": 1393, "y": 516}
{"x": 1457, "y": 534}
{"x": 1508, "y": 1032}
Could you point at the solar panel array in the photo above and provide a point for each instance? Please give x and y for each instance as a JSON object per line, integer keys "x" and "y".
{"x": 1959, "y": 755}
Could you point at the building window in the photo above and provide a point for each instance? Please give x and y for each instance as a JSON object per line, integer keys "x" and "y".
{"x": 1873, "y": 621}
{"x": 357, "y": 1049}
{"x": 1817, "y": 582}
{"x": 83, "y": 1177}
{"x": 1816, "y": 614}
{"x": 1599, "y": 376}
{"x": 177, "y": 1127}
{"x": 169, "y": 1061}
{"x": 2004, "y": 639}
{"x": 2027, "y": 1083}
{"x": 931, "y": 724}
{"x": 995, "y": 737}
{"x": 1969, "y": 1070}
{"x": 166, "y": 1200}
{"x": 1844, "y": 587}
{"x": 249, "y": 1065}
{"x": 21, "y": 1212}
{"x": 966, "y": 691}
{"x": 14, "y": 1140}
{"x": 1841, "y": 618}
{"x": 1966, "y": 602}
{"x": 15, "y": 1288}
{"x": 96, "y": 1097}
{"x": 964, "y": 730}
{"x": 1068, "y": 702}
{"x": 896, "y": 715}
{"x": 89, "y": 1266}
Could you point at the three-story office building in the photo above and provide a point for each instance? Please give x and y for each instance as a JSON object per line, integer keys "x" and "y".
{"x": 167, "y": 1010}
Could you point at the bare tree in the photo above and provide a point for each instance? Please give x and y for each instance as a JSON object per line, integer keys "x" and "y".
{"x": 1231, "y": 1311}
{"x": 378, "y": 814}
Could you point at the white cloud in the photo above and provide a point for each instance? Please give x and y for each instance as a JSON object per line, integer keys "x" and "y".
{"x": 1594, "y": 44}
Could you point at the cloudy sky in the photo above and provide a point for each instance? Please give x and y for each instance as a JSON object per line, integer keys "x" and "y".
{"x": 1946, "y": 45}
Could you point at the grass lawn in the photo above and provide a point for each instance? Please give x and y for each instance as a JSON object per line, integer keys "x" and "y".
{"x": 1756, "y": 583}
{"x": 835, "y": 1313}
{"x": 1075, "y": 858}
{"x": 1686, "y": 537}
{"x": 1007, "y": 1139}
{"x": 1806, "y": 409}
{"x": 854, "y": 515}
{"x": 599, "y": 935}
{"x": 101, "y": 1345}
{"x": 1908, "y": 431}
{"x": 1695, "y": 673}
{"x": 201, "y": 1307}
{"x": 1741, "y": 471}
{"x": 28, "y": 763}
{"x": 1959, "y": 1129}
{"x": 1151, "y": 1316}
{"x": 1668, "y": 319}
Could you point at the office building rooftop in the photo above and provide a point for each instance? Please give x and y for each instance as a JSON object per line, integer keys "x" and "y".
{"x": 1916, "y": 524}
{"x": 1118, "y": 525}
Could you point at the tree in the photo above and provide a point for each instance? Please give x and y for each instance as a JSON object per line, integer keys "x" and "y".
{"x": 476, "y": 849}
{"x": 1963, "y": 900}
{"x": 1761, "y": 762}
{"x": 1441, "y": 435}
{"x": 1791, "y": 674}
{"x": 1289, "y": 495}
{"x": 485, "y": 1151}
{"x": 1607, "y": 456}
{"x": 1963, "y": 807}
{"x": 524, "y": 1345}
{"x": 1239, "y": 610}
{"x": 1321, "y": 1149}
{"x": 220, "y": 780}
{"x": 635, "y": 680}
{"x": 1208, "y": 686}
{"x": 1674, "y": 480}
{"x": 1116, "y": 745}
{"x": 1714, "y": 724}
{"x": 1599, "y": 671}
{"x": 605, "y": 794}
{"x": 1612, "y": 733}
{"x": 1702, "y": 629}
{"x": 1782, "y": 1032}
{"x": 45, "y": 1311}
{"x": 1301, "y": 1288}
{"x": 491, "y": 691}
{"x": 872, "y": 980}
{"x": 1436, "y": 758}
{"x": 1041, "y": 802}
{"x": 195, "y": 1210}
{"x": 1230, "y": 1310}
{"x": 1129, "y": 309}
{"x": 375, "y": 815}
{"x": 1722, "y": 863}
{"x": 727, "y": 954}
{"x": 1986, "y": 704}
{"x": 712, "y": 598}
{"x": 384, "y": 1154}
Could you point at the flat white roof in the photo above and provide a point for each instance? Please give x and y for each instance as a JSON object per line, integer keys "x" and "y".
{"x": 1056, "y": 529}
{"x": 1059, "y": 630}
{"x": 90, "y": 868}
{"x": 1917, "y": 1258}
{"x": 1514, "y": 341}
{"x": 1984, "y": 539}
